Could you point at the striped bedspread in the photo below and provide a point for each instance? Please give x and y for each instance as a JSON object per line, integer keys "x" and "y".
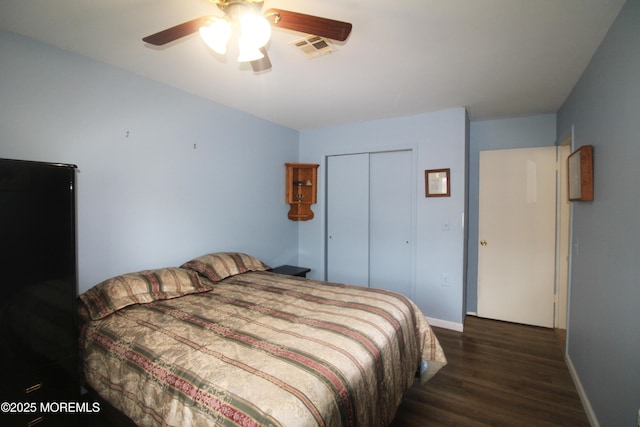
{"x": 261, "y": 349}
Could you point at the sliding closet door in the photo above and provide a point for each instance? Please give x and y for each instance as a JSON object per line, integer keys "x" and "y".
{"x": 348, "y": 219}
{"x": 390, "y": 207}
{"x": 369, "y": 217}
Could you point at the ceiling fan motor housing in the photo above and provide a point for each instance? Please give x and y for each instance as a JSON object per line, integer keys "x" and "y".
{"x": 231, "y": 6}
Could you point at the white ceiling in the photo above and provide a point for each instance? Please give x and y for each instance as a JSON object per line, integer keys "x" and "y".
{"x": 497, "y": 58}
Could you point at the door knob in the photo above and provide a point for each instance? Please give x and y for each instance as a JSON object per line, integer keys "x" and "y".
{"x": 483, "y": 242}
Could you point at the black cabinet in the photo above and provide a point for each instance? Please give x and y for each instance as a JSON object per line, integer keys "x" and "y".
{"x": 38, "y": 290}
{"x": 291, "y": 270}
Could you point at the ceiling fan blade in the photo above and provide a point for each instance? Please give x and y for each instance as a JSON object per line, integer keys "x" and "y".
{"x": 174, "y": 33}
{"x": 323, "y": 27}
{"x": 262, "y": 64}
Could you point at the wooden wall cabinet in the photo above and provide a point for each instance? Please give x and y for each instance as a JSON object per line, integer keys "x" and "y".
{"x": 301, "y": 190}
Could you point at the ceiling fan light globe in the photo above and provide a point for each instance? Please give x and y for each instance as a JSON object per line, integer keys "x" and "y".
{"x": 248, "y": 51}
{"x": 255, "y": 29}
{"x": 216, "y": 35}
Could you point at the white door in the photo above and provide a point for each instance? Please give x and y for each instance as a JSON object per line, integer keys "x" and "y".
{"x": 390, "y": 200}
{"x": 348, "y": 219}
{"x": 516, "y": 230}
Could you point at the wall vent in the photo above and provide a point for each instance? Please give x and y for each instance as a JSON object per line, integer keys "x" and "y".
{"x": 313, "y": 46}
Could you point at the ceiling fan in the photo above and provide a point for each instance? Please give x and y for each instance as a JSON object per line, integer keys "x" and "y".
{"x": 251, "y": 28}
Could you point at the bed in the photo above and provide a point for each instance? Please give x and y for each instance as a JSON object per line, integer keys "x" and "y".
{"x": 224, "y": 341}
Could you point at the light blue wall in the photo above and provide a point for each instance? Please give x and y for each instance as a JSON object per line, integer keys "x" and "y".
{"x": 438, "y": 140}
{"x": 604, "y": 316}
{"x": 521, "y": 132}
{"x": 146, "y": 197}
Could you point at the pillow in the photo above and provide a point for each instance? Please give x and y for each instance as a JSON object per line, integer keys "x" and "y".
{"x": 138, "y": 288}
{"x": 219, "y": 265}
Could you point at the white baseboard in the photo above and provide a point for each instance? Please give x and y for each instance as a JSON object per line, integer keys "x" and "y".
{"x": 446, "y": 324}
{"x": 583, "y": 395}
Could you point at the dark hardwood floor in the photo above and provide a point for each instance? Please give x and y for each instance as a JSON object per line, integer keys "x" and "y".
{"x": 498, "y": 374}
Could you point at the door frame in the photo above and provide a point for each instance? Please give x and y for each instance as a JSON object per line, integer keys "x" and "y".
{"x": 563, "y": 236}
{"x": 564, "y": 230}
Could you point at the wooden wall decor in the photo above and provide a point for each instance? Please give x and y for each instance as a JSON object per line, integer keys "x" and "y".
{"x": 301, "y": 190}
{"x": 580, "y": 166}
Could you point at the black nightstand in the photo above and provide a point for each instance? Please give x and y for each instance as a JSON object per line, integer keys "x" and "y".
{"x": 291, "y": 270}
